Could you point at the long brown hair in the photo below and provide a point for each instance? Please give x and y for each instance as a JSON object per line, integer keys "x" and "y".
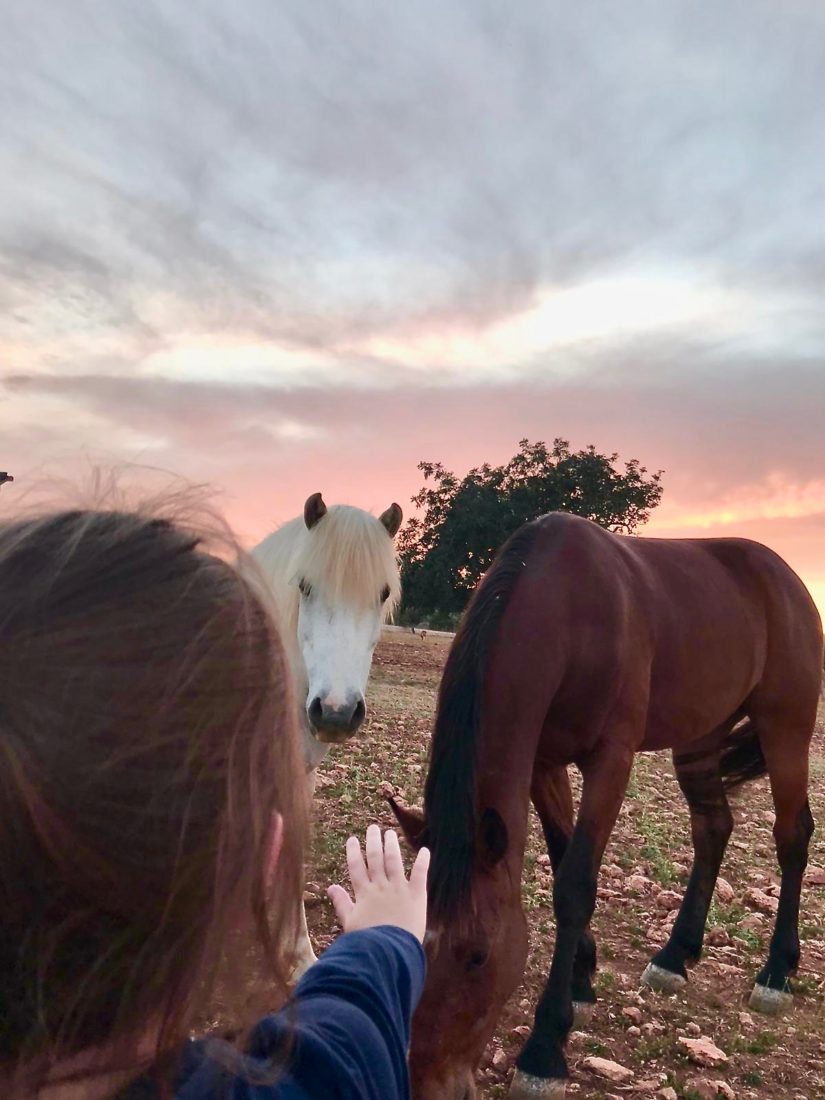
{"x": 147, "y": 739}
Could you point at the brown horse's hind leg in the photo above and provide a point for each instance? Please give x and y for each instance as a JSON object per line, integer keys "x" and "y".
{"x": 711, "y": 825}
{"x": 541, "y": 1069}
{"x": 552, "y": 797}
{"x": 786, "y": 754}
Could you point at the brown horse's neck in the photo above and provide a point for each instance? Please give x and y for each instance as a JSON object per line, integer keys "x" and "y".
{"x": 504, "y": 779}
{"x": 460, "y": 757}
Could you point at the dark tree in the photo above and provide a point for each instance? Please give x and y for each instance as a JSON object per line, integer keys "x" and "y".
{"x": 449, "y": 545}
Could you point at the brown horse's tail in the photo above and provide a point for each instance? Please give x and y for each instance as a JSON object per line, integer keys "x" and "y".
{"x": 742, "y": 757}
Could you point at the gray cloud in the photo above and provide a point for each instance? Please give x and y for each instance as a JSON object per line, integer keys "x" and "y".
{"x": 307, "y": 176}
{"x": 309, "y": 173}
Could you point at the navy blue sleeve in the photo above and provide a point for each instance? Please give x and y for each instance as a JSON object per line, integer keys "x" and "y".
{"x": 347, "y": 1030}
{"x": 350, "y": 1019}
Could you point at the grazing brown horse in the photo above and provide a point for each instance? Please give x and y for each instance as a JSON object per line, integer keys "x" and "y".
{"x": 584, "y": 647}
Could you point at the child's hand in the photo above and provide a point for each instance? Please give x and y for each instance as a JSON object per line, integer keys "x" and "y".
{"x": 382, "y": 893}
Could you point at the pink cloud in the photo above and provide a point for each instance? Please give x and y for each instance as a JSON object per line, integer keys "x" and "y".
{"x": 728, "y": 451}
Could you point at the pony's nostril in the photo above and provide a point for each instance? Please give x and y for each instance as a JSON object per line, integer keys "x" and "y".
{"x": 315, "y": 711}
{"x": 358, "y": 715}
{"x": 337, "y": 721}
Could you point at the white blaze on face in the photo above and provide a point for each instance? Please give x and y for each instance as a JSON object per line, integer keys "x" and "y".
{"x": 337, "y": 641}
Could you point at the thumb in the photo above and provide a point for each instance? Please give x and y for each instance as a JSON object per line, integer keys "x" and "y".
{"x": 342, "y": 903}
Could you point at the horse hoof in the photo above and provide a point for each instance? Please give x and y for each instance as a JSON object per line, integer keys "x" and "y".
{"x": 770, "y": 1002}
{"x": 582, "y": 1014}
{"x": 525, "y": 1086}
{"x": 662, "y": 981}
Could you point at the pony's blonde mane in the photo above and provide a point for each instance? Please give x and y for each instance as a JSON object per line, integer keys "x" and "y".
{"x": 348, "y": 554}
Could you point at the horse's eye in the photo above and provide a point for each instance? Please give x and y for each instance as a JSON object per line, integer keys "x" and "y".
{"x": 477, "y": 959}
{"x": 385, "y": 593}
{"x": 305, "y": 587}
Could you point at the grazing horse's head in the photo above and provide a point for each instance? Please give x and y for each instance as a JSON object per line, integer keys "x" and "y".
{"x": 475, "y": 961}
{"x": 347, "y": 574}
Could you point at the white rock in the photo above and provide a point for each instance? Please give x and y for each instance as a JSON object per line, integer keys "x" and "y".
{"x": 724, "y": 891}
{"x": 611, "y": 1071}
{"x": 704, "y": 1052}
{"x": 758, "y": 899}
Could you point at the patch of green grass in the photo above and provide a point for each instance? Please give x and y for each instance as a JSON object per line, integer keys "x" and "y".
{"x": 762, "y": 1043}
{"x": 638, "y": 936}
{"x": 633, "y": 788}
{"x": 656, "y": 1047}
{"x": 805, "y": 986}
{"x": 657, "y": 844}
{"x": 593, "y": 1046}
{"x": 752, "y": 1077}
{"x": 605, "y": 981}
{"x": 535, "y": 897}
{"x": 749, "y": 939}
{"x": 731, "y": 917}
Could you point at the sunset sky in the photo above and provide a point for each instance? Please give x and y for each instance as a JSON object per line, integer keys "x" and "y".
{"x": 292, "y": 246}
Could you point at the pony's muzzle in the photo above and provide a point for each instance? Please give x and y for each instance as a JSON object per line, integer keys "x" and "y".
{"x": 333, "y": 722}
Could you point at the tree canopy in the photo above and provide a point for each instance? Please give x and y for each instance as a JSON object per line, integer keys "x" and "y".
{"x": 449, "y": 545}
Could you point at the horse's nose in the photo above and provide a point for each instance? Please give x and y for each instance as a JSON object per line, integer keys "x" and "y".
{"x": 339, "y": 720}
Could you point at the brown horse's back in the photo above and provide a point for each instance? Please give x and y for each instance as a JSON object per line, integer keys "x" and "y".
{"x": 740, "y": 625}
{"x": 705, "y": 625}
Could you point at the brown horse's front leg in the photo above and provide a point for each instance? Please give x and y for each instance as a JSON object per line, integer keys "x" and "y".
{"x": 541, "y": 1069}
{"x": 552, "y": 797}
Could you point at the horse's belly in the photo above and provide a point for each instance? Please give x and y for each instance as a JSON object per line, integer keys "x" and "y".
{"x": 681, "y": 720}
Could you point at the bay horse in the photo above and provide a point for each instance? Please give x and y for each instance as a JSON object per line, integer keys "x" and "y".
{"x": 334, "y": 576}
{"x": 585, "y": 647}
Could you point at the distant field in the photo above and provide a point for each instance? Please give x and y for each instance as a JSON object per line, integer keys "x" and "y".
{"x": 767, "y": 1058}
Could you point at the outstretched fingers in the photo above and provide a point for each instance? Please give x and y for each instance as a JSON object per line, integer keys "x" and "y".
{"x": 342, "y": 903}
{"x": 375, "y": 854}
{"x": 359, "y": 877}
{"x": 393, "y": 861}
{"x": 418, "y": 874}
{"x": 381, "y": 892}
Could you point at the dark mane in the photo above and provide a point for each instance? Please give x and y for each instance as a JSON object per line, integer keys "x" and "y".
{"x": 450, "y": 791}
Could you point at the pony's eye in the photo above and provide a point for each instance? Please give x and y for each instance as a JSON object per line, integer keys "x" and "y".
{"x": 305, "y": 587}
{"x": 385, "y": 593}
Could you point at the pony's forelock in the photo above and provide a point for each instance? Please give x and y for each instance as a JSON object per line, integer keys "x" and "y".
{"x": 349, "y": 556}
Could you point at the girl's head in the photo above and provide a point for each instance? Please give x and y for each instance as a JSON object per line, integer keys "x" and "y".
{"x": 147, "y": 749}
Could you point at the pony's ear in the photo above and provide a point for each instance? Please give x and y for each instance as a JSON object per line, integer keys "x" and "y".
{"x": 392, "y": 519}
{"x": 412, "y": 824}
{"x": 314, "y": 509}
{"x": 492, "y": 838}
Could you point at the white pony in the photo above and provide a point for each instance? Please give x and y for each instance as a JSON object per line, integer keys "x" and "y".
{"x": 334, "y": 577}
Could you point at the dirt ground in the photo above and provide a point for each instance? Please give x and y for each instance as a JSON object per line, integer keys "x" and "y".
{"x": 647, "y": 860}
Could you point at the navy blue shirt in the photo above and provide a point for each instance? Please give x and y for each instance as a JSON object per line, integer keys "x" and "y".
{"x": 349, "y": 1024}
